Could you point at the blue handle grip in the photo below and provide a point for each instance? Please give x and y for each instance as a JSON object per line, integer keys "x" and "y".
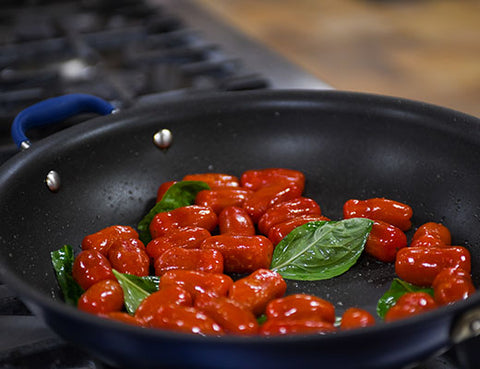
{"x": 55, "y": 110}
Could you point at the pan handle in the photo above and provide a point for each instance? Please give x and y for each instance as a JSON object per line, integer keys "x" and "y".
{"x": 54, "y": 110}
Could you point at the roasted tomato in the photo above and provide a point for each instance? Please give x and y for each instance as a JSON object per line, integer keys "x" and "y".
{"x": 129, "y": 256}
{"x": 257, "y": 179}
{"x": 411, "y": 303}
{"x": 384, "y": 241}
{"x": 214, "y": 180}
{"x": 105, "y": 238}
{"x": 102, "y": 298}
{"x": 301, "y": 306}
{"x": 222, "y": 198}
{"x": 452, "y": 284}
{"x": 90, "y": 267}
{"x": 206, "y": 260}
{"x": 354, "y": 318}
{"x": 236, "y": 222}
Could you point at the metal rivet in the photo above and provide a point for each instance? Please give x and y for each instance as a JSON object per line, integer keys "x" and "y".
{"x": 163, "y": 138}
{"x": 53, "y": 181}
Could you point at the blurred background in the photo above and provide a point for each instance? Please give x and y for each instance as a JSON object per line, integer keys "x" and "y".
{"x": 427, "y": 50}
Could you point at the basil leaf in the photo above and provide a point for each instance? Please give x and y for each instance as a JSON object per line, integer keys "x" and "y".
{"x": 62, "y": 261}
{"x": 322, "y": 249}
{"x": 135, "y": 288}
{"x": 179, "y": 194}
{"x": 261, "y": 319}
{"x": 397, "y": 289}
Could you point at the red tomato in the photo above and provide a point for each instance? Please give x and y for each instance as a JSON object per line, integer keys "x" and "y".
{"x": 256, "y": 290}
{"x": 301, "y": 306}
{"x": 90, "y": 267}
{"x": 129, "y": 256}
{"x": 267, "y": 197}
{"x": 164, "y": 188}
{"x": 221, "y": 198}
{"x": 102, "y": 298}
{"x": 242, "y": 254}
{"x": 277, "y": 327}
{"x": 104, "y": 239}
{"x": 436, "y": 230}
{"x": 185, "y": 237}
{"x": 197, "y": 283}
{"x": 452, "y": 284}
{"x": 256, "y": 179}
{"x": 420, "y": 266}
{"x": 428, "y": 240}
{"x": 229, "y": 314}
{"x": 388, "y": 211}
{"x": 186, "y": 216}
{"x": 280, "y": 230}
{"x": 184, "y": 319}
{"x": 236, "y": 222}
{"x": 356, "y": 318}
{"x": 214, "y": 180}
{"x": 411, "y": 303}
{"x": 169, "y": 295}
{"x": 384, "y": 241}
{"x": 189, "y": 259}
{"x": 287, "y": 210}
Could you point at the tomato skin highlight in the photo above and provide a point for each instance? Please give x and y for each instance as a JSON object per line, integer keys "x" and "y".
{"x": 235, "y": 221}
{"x": 242, "y": 254}
{"x": 129, "y": 256}
{"x": 101, "y": 298}
{"x": 222, "y": 198}
{"x": 301, "y": 306}
{"x": 354, "y": 318}
{"x": 185, "y": 237}
{"x": 388, "y": 211}
{"x": 230, "y": 315}
{"x": 278, "y": 327}
{"x": 279, "y": 231}
{"x": 384, "y": 241}
{"x": 186, "y": 216}
{"x": 451, "y": 285}
{"x": 428, "y": 240}
{"x": 105, "y": 238}
{"x": 214, "y": 180}
{"x": 207, "y": 260}
{"x": 420, "y": 265}
{"x": 287, "y": 210}
{"x": 436, "y": 230}
{"x": 256, "y": 179}
{"x": 254, "y": 291}
{"x": 90, "y": 267}
{"x": 411, "y": 303}
{"x": 163, "y": 188}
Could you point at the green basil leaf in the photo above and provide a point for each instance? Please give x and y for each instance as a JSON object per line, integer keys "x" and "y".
{"x": 322, "y": 249}
{"x": 62, "y": 261}
{"x": 135, "y": 288}
{"x": 179, "y": 194}
{"x": 397, "y": 289}
{"x": 261, "y": 319}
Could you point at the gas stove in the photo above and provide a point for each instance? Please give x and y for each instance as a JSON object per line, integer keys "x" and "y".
{"x": 128, "y": 52}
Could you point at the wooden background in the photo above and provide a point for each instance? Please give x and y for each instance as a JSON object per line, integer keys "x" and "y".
{"x": 427, "y": 50}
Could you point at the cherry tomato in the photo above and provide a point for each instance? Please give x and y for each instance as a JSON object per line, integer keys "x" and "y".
{"x": 185, "y": 237}
{"x": 277, "y": 327}
{"x": 280, "y": 230}
{"x": 214, "y": 180}
{"x": 267, "y": 197}
{"x": 186, "y": 216}
{"x": 229, "y": 314}
{"x": 102, "y": 298}
{"x": 411, "y": 303}
{"x": 221, "y": 198}
{"x": 164, "y": 188}
{"x": 436, "y": 230}
{"x": 184, "y": 319}
{"x": 242, "y": 254}
{"x": 206, "y": 260}
{"x": 452, "y": 284}
{"x": 388, "y": 211}
{"x": 129, "y": 256}
{"x": 420, "y": 266}
{"x": 384, "y": 241}
{"x": 125, "y": 318}
{"x": 301, "y": 306}
{"x": 256, "y": 290}
{"x": 197, "y": 283}
{"x": 90, "y": 267}
{"x": 104, "y": 239}
{"x": 169, "y": 295}
{"x": 256, "y": 179}
{"x": 287, "y": 210}
{"x": 236, "y": 222}
{"x": 428, "y": 240}
{"x": 356, "y": 318}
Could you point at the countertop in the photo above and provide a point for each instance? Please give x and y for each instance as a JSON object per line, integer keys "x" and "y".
{"x": 426, "y": 50}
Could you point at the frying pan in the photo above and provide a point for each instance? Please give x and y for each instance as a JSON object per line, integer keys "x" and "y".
{"x": 349, "y": 145}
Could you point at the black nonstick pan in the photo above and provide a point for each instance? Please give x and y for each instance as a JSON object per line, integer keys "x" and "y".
{"x": 349, "y": 145}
